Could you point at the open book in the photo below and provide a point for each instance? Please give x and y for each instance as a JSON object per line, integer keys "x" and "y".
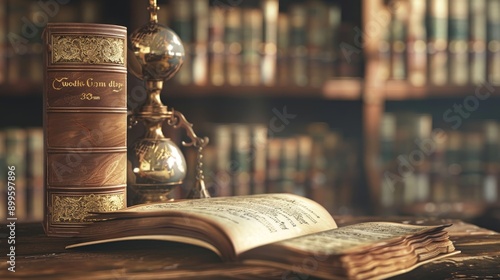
{"x": 280, "y": 230}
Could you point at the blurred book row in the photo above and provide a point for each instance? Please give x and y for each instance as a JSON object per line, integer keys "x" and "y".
{"x": 421, "y": 163}
{"x": 234, "y": 43}
{"x": 441, "y": 42}
{"x": 258, "y": 45}
{"x": 22, "y": 148}
{"x": 21, "y": 26}
{"x": 316, "y": 162}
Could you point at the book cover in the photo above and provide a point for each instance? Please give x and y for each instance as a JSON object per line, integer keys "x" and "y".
{"x": 85, "y": 123}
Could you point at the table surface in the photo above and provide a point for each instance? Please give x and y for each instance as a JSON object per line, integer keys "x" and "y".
{"x": 42, "y": 257}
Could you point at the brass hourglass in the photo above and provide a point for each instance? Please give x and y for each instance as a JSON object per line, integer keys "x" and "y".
{"x": 155, "y": 164}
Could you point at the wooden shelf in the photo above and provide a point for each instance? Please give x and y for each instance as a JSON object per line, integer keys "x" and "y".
{"x": 402, "y": 90}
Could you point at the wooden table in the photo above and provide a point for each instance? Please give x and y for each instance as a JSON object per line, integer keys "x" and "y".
{"x": 41, "y": 257}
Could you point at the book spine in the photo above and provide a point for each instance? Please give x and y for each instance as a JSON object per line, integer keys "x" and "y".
{"x": 222, "y": 140}
{"x": 200, "y": 38}
{"x": 270, "y": 10}
{"x": 399, "y": 30}
{"x": 459, "y": 38}
{"x": 35, "y": 174}
{"x": 288, "y": 166}
{"x": 3, "y": 177}
{"x": 298, "y": 45}
{"x": 304, "y": 147}
{"x": 491, "y": 156}
{"x": 437, "y": 26}
{"x": 15, "y": 157}
{"x": 493, "y": 19}
{"x": 316, "y": 23}
{"x": 472, "y": 170}
{"x": 85, "y": 123}
{"x": 283, "y": 62}
{"x": 216, "y": 46}
{"x": 477, "y": 43}
{"x": 3, "y": 41}
{"x": 332, "y": 42}
{"x": 182, "y": 24}
{"x": 387, "y": 140}
{"x": 273, "y": 175}
{"x": 258, "y": 149}
{"x": 240, "y": 159}
{"x": 416, "y": 43}
{"x": 252, "y": 40}
{"x": 454, "y": 165}
{"x": 233, "y": 47}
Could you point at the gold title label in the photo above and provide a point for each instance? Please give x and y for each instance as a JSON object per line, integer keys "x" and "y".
{"x": 74, "y": 209}
{"x": 64, "y": 82}
{"x": 88, "y": 49}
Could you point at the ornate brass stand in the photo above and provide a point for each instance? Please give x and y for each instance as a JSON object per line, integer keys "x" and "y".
{"x": 156, "y": 164}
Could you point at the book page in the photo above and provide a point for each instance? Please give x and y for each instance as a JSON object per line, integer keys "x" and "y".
{"x": 353, "y": 238}
{"x": 250, "y": 221}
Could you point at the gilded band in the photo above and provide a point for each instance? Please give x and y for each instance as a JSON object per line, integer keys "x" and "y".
{"x": 75, "y": 208}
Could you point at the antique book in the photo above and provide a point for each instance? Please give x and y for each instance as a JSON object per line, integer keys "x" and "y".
{"x": 278, "y": 230}
{"x": 85, "y": 123}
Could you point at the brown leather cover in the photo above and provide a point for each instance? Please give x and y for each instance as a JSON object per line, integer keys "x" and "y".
{"x": 85, "y": 123}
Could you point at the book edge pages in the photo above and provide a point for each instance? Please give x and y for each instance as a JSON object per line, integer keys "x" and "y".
{"x": 336, "y": 277}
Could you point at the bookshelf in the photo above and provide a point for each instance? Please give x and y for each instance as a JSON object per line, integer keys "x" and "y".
{"x": 433, "y": 59}
{"x": 372, "y": 74}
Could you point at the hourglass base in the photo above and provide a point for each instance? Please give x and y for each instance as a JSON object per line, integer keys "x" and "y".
{"x": 141, "y": 194}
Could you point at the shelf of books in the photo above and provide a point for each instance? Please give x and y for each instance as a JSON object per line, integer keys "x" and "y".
{"x": 428, "y": 160}
{"x": 440, "y": 47}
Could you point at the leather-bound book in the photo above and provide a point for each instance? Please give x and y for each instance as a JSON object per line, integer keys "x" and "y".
{"x": 85, "y": 123}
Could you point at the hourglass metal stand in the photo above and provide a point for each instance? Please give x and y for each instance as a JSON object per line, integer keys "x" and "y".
{"x": 155, "y": 164}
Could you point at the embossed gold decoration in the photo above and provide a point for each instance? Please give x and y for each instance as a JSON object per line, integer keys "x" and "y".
{"x": 156, "y": 164}
{"x": 74, "y": 209}
{"x": 88, "y": 49}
